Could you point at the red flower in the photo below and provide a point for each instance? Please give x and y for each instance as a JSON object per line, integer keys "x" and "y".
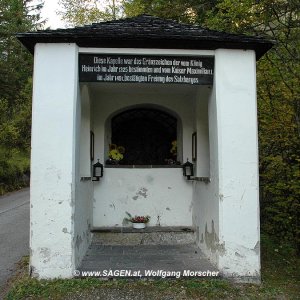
{"x": 140, "y": 219}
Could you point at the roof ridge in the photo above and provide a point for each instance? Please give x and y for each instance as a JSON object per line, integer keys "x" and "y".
{"x": 138, "y": 17}
{"x": 165, "y": 21}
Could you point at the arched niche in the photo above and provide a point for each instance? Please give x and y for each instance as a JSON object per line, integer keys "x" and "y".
{"x": 146, "y": 132}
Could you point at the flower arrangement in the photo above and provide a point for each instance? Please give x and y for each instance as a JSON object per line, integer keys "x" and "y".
{"x": 173, "y": 150}
{"x": 115, "y": 153}
{"x": 138, "y": 219}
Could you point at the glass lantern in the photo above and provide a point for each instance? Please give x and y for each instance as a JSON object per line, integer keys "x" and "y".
{"x": 188, "y": 169}
{"x": 97, "y": 171}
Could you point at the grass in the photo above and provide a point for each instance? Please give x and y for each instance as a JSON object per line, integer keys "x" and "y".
{"x": 280, "y": 280}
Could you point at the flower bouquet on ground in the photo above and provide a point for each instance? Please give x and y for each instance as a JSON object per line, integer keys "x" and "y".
{"x": 138, "y": 222}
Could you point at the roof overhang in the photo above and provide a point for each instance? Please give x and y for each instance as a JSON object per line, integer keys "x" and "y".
{"x": 146, "y": 32}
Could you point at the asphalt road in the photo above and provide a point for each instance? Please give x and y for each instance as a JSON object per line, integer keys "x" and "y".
{"x": 14, "y": 232}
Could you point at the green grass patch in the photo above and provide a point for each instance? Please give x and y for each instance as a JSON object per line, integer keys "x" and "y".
{"x": 280, "y": 280}
{"x": 49, "y": 289}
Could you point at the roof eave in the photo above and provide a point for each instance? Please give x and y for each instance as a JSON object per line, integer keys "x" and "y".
{"x": 260, "y": 46}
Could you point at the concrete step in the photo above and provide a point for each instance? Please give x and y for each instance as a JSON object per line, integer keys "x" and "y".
{"x": 148, "y": 236}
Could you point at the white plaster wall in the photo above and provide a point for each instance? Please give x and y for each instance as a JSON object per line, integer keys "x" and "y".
{"x": 226, "y": 210}
{"x": 85, "y": 128}
{"x": 82, "y": 219}
{"x": 53, "y": 158}
{"x": 114, "y": 195}
{"x": 152, "y": 51}
{"x": 162, "y": 194}
{"x": 201, "y": 121}
{"x": 84, "y": 187}
{"x": 235, "y": 87}
{"x": 205, "y": 195}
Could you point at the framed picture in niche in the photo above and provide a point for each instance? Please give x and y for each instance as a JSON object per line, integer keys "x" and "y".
{"x": 194, "y": 146}
{"x": 92, "y": 145}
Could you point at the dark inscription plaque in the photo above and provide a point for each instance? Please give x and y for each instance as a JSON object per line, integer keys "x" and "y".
{"x": 196, "y": 70}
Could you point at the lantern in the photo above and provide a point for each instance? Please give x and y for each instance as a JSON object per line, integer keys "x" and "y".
{"x": 97, "y": 171}
{"x": 188, "y": 169}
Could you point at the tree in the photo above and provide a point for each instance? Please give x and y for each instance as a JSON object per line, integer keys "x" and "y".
{"x": 187, "y": 11}
{"x": 15, "y": 61}
{"x": 15, "y": 88}
{"x": 80, "y": 12}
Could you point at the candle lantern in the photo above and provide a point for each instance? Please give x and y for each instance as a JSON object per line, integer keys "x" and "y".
{"x": 188, "y": 169}
{"x": 97, "y": 171}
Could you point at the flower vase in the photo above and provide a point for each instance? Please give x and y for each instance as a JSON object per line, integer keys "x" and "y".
{"x": 139, "y": 225}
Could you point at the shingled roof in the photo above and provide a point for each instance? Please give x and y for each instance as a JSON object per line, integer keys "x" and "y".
{"x": 146, "y": 31}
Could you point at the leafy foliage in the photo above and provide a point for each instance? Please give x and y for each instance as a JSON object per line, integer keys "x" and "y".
{"x": 15, "y": 91}
{"x": 79, "y": 12}
{"x": 187, "y": 11}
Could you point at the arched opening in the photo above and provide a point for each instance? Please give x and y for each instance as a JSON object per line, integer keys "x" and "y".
{"x": 148, "y": 136}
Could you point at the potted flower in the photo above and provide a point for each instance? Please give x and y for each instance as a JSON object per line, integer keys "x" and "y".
{"x": 138, "y": 222}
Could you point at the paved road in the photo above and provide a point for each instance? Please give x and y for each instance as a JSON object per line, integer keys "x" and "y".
{"x": 14, "y": 231}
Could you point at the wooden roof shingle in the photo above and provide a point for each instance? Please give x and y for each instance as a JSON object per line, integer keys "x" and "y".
{"x": 146, "y": 31}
